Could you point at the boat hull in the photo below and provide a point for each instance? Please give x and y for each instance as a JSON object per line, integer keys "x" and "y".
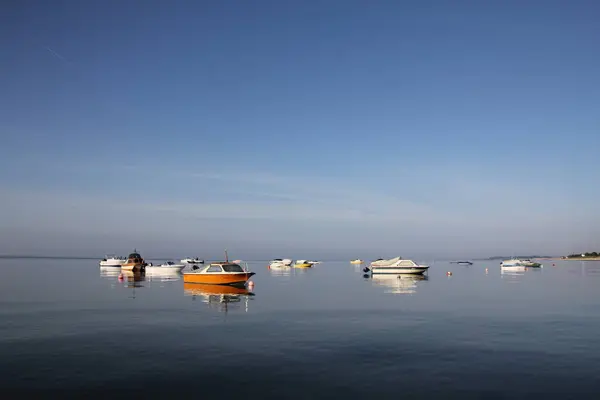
{"x": 132, "y": 267}
{"x": 279, "y": 266}
{"x": 399, "y": 270}
{"x": 111, "y": 263}
{"x": 217, "y": 279}
{"x": 304, "y": 265}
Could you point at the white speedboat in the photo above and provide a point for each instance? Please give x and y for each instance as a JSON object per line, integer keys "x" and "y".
{"x": 166, "y": 267}
{"x": 396, "y": 266}
{"x": 280, "y": 263}
{"x": 513, "y": 262}
{"x": 192, "y": 261}
{"x": 112, "y": 261}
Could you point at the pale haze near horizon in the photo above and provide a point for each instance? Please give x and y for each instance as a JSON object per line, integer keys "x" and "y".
{"x": 319, "y": 130}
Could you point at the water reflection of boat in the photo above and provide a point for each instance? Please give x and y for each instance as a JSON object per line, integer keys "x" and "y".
{"x": 399, "y": 284}
{"x": 282, "y": 271}
{"x": 220, "y": 296}
{"x": 133, "y": 278}
{"x": 512, "y": 273}
{"x": 512, "y": 269}
{"x": 163, "y": 276}
{"x": 110, "y": 272}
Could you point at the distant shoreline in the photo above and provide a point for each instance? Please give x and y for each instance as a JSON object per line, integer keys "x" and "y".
{"x": 571, "y": 259}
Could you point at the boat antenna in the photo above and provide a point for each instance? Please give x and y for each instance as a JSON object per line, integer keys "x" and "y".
{"x": 226, "y": 256}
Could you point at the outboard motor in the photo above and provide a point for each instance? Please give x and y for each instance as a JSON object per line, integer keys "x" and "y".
{"x": 366, "y": 269}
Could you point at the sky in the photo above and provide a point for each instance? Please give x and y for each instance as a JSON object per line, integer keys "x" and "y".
{"x": 299, "y": 129}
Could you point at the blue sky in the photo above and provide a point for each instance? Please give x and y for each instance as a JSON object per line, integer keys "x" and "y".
{"x": 309, "y": 129}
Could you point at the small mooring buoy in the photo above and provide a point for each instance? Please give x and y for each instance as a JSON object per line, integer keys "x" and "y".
{"x": 449, "y": 273}
{"x": 486, "y": 270}
{"x": 250, "y": 284}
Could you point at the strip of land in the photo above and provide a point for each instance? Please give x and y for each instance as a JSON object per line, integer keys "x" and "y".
{"x": 571, "y": 258}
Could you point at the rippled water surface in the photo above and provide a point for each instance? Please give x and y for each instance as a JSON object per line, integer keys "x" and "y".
{"x": 71, "y": 328}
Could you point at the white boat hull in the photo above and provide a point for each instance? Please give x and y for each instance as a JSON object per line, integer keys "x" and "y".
{"x": 112, "y": 263}
{"x": 279, "y": 266}
{"x": 399, "y": 270}
{"x": 167, "y": 270}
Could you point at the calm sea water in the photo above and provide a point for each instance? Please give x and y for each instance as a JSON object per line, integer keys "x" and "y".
{"x": 69, "y": 328}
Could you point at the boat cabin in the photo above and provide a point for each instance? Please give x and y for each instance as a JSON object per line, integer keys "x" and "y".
{"x": 135, "y": 258}
{"x": 223, "y": 268}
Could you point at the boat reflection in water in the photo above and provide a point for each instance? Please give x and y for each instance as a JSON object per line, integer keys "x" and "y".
{"x": 512, "y": 273}
{"x": 110, "y": 272}
{"x": 162, "y": 276}
{"x": 398, "y": 284}
{"x": 133, "y": 278}
{"x": 280, "y": 271}
{"x": 221, "y": 297}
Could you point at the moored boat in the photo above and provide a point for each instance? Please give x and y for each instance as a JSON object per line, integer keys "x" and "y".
{"x": 461, "y": 262}
{"x": 220, "y": 273}
{"x": 513, "y": 262}
{"x": 112, "y": 261}
{"x": 135, "y": 262}
{"x": 531, "y": 264}
{"x": 357, "y": 261}
{"x": 278, "y": 262}
{"x": 189, "y": 260}
{"x": 302, "y": 264}
{"x": 166, "y": 267}
{"x": 396, "y": 265}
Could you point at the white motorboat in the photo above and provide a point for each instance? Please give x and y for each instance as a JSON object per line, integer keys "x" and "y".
{"x": 166, "y": 267}
{"x": 112, "y": 261}
{"x": 396, "y": 265}
{"x": 192, "y": 261}
{"x": 280, "y": 263}
{"x": 513, "y": 262}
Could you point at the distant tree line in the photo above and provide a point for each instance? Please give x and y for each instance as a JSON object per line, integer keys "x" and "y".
{"x": 592, "y": 254}
{"x": 519, "y": 257}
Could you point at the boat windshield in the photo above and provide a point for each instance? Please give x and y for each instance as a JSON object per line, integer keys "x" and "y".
{"x": 232, "y": 268}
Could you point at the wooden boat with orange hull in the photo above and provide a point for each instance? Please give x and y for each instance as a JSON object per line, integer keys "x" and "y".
{"x": 135, "y": 262}
{"x": 222, "y": 273}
